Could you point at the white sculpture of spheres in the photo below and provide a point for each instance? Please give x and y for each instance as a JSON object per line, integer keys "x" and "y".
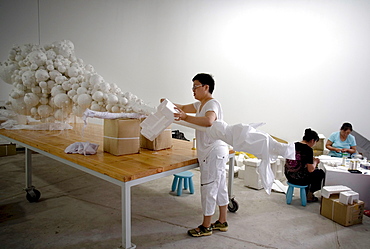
{"x": 98, "y": 96}
{"x": 41, "y": 75}
{"x": 31, "y": 99}
{"x": 61, "y": 100}
{"x": 44, "y": 111}
{"x": 112, "y": 99}
{"x": 84, "y": 101}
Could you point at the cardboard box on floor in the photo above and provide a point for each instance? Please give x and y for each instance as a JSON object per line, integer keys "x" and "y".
{"x": 8, "y": 149}
{"x": 121, "y": 136}
{"x": 346, "y": 215}
{"x": 163, "y": 141}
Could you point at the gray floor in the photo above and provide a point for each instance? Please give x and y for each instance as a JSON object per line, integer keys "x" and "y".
{"x": 77, "y": 210}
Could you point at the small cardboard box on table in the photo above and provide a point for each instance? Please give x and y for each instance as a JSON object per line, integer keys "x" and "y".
{"x": 163, "y": 141}
{"x": 121, "y": 136}
{"x": 343, "y": 214}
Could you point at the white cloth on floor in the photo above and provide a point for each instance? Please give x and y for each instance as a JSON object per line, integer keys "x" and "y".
{"x": 83, "y": 148}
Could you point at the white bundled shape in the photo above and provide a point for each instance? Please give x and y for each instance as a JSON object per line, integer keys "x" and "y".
{"x": 156, "y": 123}
{"x": 107, "y": 115}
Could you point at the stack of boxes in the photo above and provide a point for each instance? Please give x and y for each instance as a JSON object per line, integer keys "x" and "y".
{"x": 319, "y": 147}
{"x": 342, "y": 205}
{"x": 122, "y": 137}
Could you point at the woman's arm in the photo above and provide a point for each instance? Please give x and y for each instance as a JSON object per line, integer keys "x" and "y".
{"x": 330, "y": 147}
{"x": 350, "y": 150}
{"x": 311, "y": 167}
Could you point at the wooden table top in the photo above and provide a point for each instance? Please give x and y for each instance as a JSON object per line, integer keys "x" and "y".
{"x": 123, "y": 168}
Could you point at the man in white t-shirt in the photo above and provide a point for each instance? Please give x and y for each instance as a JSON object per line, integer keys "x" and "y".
{"x": 212, "y": 154}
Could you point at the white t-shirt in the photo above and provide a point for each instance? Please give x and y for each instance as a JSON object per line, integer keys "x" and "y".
{"x": 206, "y": 144}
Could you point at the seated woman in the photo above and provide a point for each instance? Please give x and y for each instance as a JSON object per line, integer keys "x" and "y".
{"x": 341, "y": 141}
{"x": 303, "y": 170}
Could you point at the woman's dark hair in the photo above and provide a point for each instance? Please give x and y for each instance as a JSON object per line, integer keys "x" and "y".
{"x": 346, "y": 126}
{"x": 310, "y": 134}
{"x": 205, "y": 79}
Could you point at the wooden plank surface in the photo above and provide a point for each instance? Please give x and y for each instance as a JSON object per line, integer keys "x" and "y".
{"x": 123, "y": 168}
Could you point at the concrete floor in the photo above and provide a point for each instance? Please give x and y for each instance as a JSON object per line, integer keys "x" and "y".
{"x": 77, "y": 210}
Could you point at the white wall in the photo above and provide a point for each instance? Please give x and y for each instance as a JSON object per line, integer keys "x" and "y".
{"x": 292, "y": 64}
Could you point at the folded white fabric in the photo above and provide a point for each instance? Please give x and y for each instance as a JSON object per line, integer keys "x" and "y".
{"x": 83, "y": 148}
{"x": 108, "y": 115}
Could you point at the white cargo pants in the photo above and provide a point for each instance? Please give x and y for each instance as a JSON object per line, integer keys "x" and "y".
{"x": 213, "y": 180}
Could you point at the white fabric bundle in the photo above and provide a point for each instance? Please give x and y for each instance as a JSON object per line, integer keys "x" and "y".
{"x": 244, "y": 137}
{"x": 83, "y": 148}
{"x": 108, "y": 115}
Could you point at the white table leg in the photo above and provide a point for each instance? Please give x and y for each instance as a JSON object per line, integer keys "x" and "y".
{"x": 126, "y": 216}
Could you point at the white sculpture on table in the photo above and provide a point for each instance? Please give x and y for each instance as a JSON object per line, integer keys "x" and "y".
{"x": 51, "y": 83}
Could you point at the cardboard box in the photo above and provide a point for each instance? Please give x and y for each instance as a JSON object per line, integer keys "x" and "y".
{"x": 8, "y": 149}
{"x": 345, "y": 215}
{"x": 121, "y": 136}
{"x": 163, "y": 141}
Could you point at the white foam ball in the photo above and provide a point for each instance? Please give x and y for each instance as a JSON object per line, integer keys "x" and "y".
{"x": 112, "y": 99}
{"x": 71, "y": 93}
{"x": 41, "y": 75}
{"x": 98, "y": 96}
{"x": 123, "y": 101}
{"x": 61, "y": 100}
{"x": 36, "y": 89}
{"x": 44, "y": 100}
{"x": 34, "y": 111}
{"x": 31, "y": 99}
{"x": 95, "y": 107}
{"x": 72, "y": 72}
{"x": 81, "y": 90}
{"x": 60, "y": 114}
{"x": 116, "y": 109}
{"x": 44, "y": 111}
{"x": 84, "y": 101}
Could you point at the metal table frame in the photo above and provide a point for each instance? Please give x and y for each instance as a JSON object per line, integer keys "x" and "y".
{"x": 125, "y": 186}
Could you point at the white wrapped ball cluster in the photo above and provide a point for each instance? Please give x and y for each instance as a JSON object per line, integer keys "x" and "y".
{"x": 51, "y": 83}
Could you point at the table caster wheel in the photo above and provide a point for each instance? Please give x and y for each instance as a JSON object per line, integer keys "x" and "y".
{"x": 33, "y": 195}
{"x": 233, "y": 206}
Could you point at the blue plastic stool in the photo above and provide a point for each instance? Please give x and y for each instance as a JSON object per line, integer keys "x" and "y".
{"x": 289, "y": 193}
{"x": 188, "y": 182}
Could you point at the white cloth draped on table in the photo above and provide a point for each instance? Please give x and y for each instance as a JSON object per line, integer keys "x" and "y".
{"x": 245, "y": 137}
